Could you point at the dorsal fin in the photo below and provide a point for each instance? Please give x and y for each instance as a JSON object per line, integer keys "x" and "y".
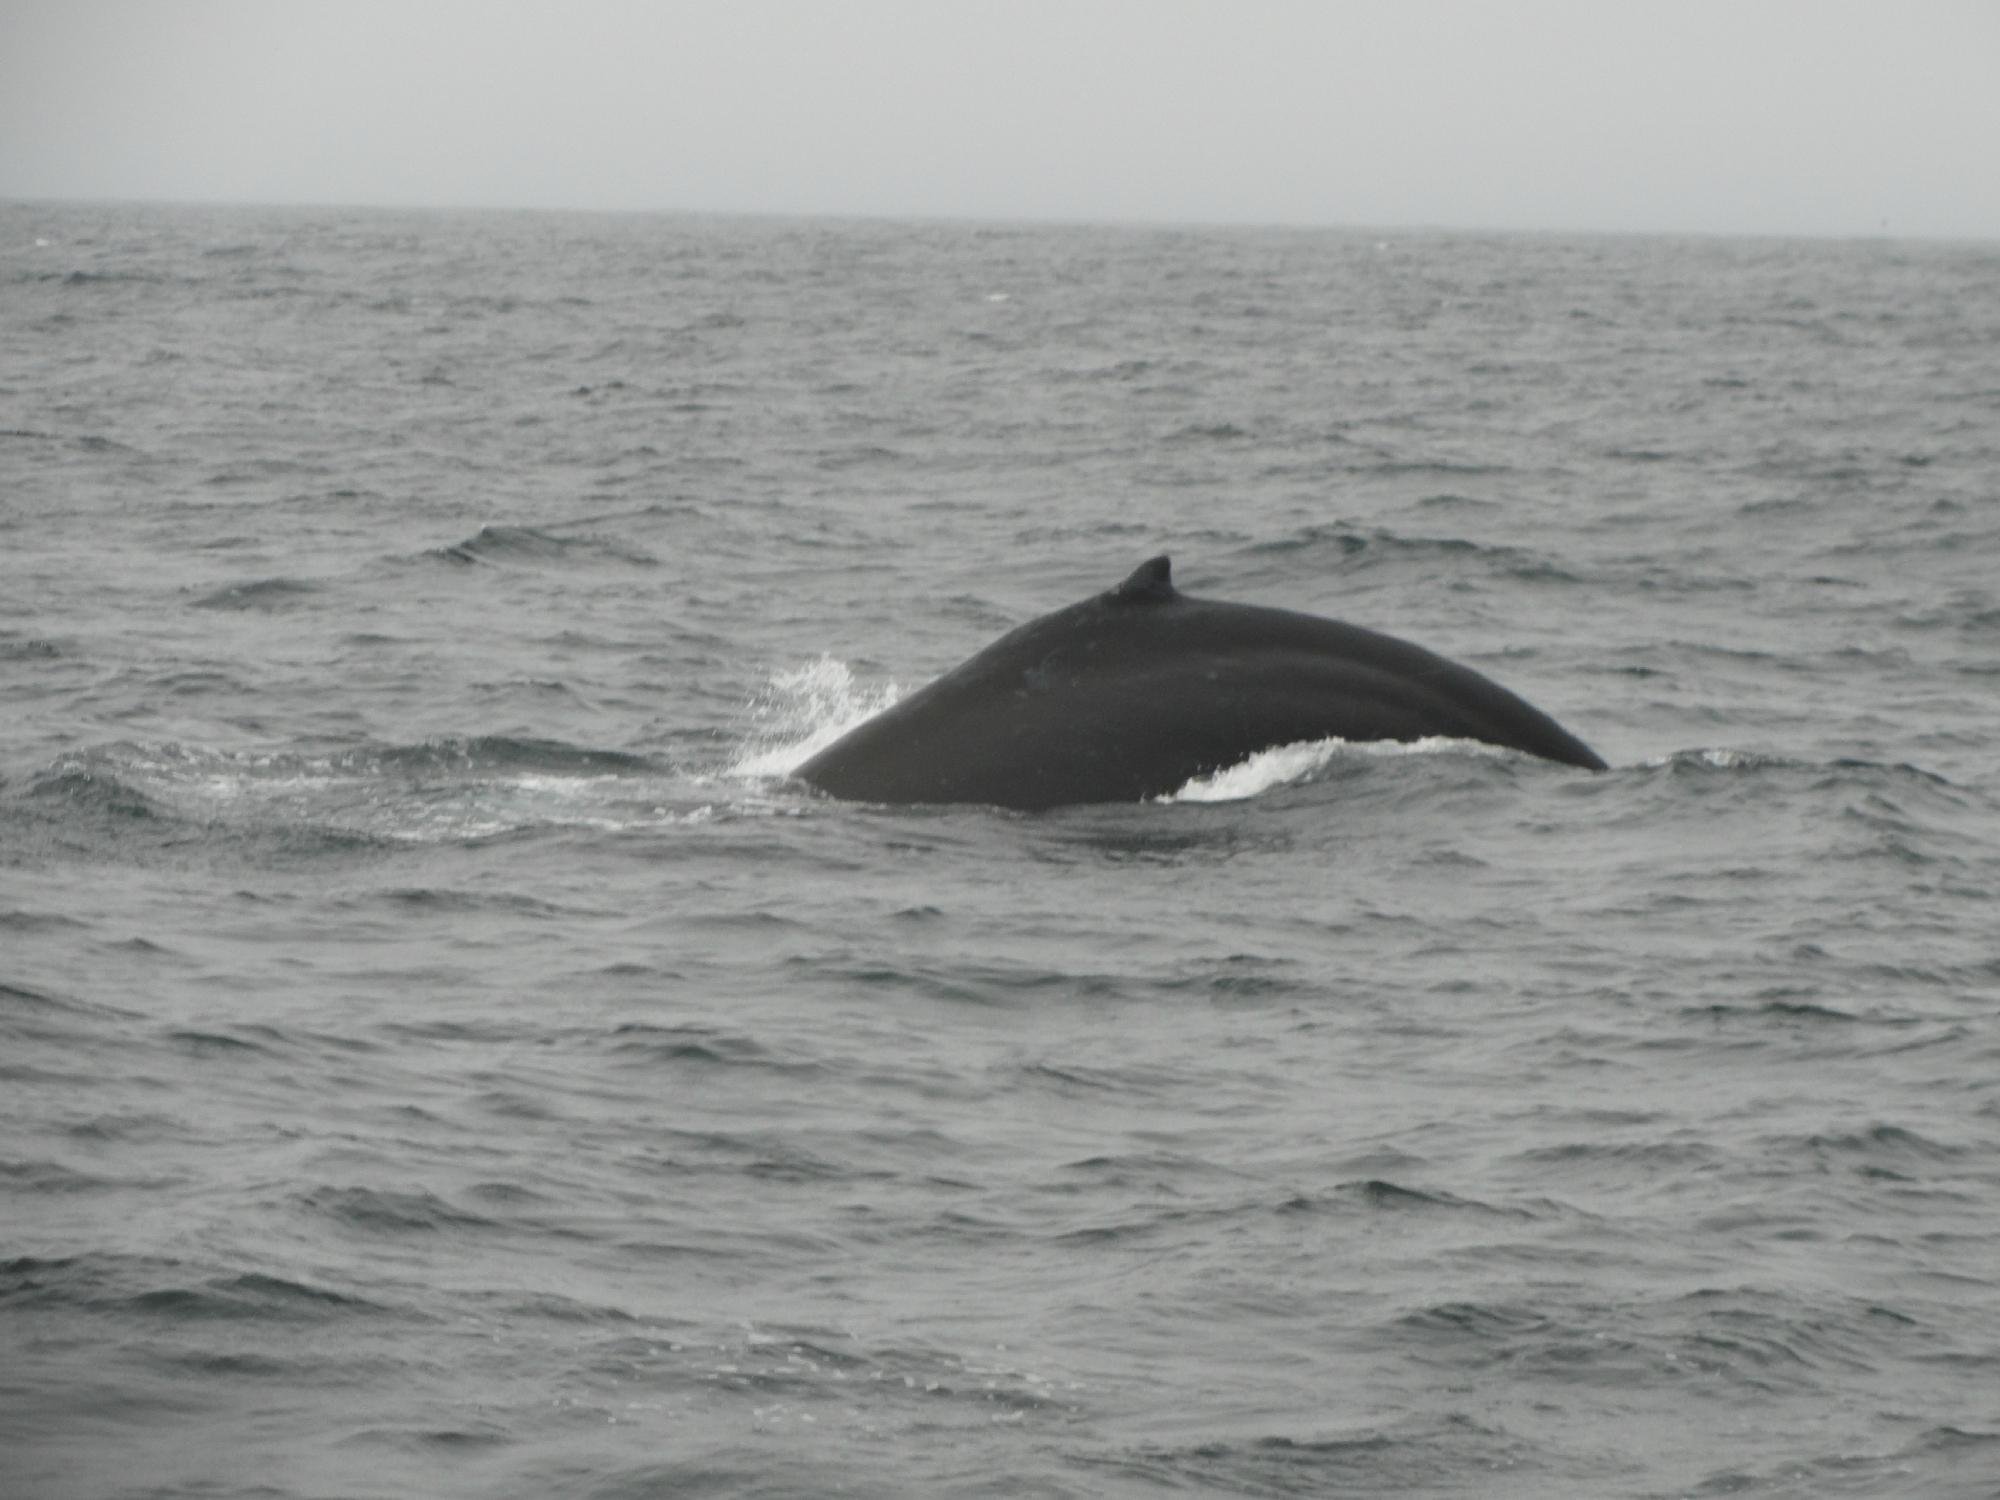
{"x": 1151, "y": 581}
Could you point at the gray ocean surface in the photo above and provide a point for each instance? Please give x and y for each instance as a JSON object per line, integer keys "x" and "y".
{"x": 442, "y": 1055}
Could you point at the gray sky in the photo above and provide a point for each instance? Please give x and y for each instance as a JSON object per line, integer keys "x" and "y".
{"x": 1760, "y": 116}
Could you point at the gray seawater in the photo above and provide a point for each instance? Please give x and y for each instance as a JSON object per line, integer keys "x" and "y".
{"x": 440, "y": 1053}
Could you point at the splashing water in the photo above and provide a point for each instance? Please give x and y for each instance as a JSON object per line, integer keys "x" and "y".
{"x": 801, "y": 713}
{"x": 1260, "y": 772}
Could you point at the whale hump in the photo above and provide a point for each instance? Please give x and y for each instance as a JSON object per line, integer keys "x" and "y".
{"x": 1151, "y": 581}
{"x": 1131, "y": 693}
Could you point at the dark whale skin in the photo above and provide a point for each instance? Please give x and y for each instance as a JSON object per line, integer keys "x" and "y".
{"x": 1130, "y": 694}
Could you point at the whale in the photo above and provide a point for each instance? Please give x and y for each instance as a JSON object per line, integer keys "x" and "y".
{"x": 1134, "y": 692}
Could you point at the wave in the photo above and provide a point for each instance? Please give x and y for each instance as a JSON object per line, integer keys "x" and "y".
{"x": 177, "y": 763}
{"x": 1884, "y": 796}
{"x": 266, "y": 594}
{"x": 439, "y": 790}
{"x": 702, "y": 1047}
{"x": 1357, "y": 548}
{"x": 527, "y": 546}
{"x": 94, "y": 278}
{"x": 1421, "y": 1455}
{"x": 1209, "y": 432}
{"x": 166, "y": 1288}
{"x": 492, "y": 753}
{"x": 381, "y": 1211}
{"x": 36, "y": 1016}
{"x": 1700, "y": 761}
{"x": 93, "y": 786}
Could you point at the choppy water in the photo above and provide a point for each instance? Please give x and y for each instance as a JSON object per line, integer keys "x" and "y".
{"x": 441, "y": 1055}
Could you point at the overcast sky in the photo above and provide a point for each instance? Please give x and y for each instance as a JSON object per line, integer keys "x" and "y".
{"x": 1761, "y": 116}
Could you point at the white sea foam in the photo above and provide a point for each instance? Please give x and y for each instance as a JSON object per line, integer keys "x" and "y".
{"x": 1294, "y": 762}
{"x": 1259, "y": 773}
{"x": 802, "y": 712}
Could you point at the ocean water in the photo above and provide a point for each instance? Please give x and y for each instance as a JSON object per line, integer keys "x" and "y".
{"x": 442, "y": 1055}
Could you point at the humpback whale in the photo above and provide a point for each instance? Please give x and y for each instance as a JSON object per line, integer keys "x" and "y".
{"x": 1135, "y": 691}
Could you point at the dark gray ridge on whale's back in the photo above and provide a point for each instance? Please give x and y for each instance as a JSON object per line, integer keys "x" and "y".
{"x": 1151, "y": 580}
